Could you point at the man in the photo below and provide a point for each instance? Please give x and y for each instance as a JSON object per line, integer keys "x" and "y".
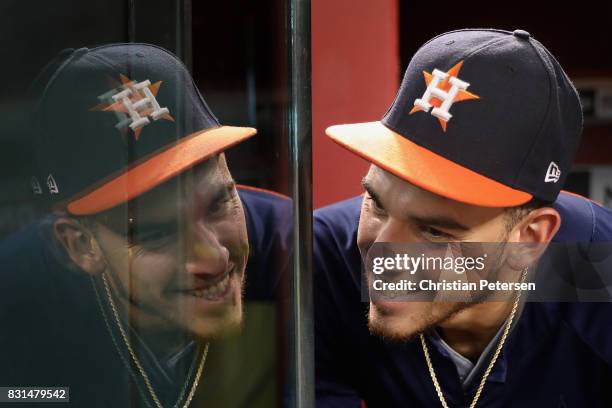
{"x": 125, "y": 290}
{"x": 475, "y": 148}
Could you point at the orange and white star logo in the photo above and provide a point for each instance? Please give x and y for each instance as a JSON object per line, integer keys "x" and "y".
{"x": 135, "y": 103}
{"x": 443, "y": 89}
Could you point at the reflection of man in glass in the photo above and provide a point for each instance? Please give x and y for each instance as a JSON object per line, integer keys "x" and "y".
{"x": 142, "y": 261}
{"x": 475, "y": 148}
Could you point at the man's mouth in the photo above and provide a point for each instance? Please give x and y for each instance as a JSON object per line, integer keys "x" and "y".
{"x": 212, "y": 291}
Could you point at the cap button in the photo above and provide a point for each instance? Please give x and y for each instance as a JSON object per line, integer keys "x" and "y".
{"x": 522, "y": 34}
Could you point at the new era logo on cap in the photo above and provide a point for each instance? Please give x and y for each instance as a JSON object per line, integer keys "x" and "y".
{"x": 553, "y": 173}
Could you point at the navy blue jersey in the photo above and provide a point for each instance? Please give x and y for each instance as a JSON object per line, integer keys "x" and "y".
{"x": 557, "y": 355}
{"x": 53, "y": 333}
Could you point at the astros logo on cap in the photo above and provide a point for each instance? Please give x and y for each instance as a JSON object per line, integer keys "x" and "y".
{"x": 136, "y": 100}
{"x": 443, "y": 89}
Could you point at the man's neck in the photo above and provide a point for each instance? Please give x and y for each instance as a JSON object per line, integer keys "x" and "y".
{"x": 163, "y": 344}
{"x": 471, "y": 330}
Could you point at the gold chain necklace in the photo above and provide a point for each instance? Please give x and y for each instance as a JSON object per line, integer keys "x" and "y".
{"x": 432, "y": 372}
{"x": 144, "y": 375}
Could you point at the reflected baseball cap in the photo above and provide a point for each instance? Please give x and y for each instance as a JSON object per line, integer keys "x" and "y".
{"x": 115, "y": 121}
{"x": 485, "y": 117}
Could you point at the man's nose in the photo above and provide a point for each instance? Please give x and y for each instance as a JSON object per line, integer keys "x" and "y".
{"x": 206, "y": 255}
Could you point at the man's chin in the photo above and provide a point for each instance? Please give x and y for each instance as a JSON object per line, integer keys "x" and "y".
{"x": 219, "y": 327}
{"x": 217, "y": 318}
{"x": 402, "y": 321}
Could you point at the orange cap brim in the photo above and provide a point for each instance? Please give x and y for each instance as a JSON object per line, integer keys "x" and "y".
{"x": 161, "y": 167}
{"x": 398, "y": 155}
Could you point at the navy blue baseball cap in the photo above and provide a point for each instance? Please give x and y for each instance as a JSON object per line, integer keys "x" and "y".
{"x": 115, "y": 121}
{"x": 485, "y": 117}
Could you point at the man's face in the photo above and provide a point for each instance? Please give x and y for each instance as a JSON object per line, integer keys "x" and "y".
{"x": 397, "y": 211}
{"x": 176, "y": 256}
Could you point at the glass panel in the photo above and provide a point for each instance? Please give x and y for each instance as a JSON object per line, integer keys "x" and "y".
{"x": 146, "y": 230}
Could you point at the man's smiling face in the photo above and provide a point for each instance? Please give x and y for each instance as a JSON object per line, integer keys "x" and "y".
{"x": 396, "y": 211}
{"x": 176, "y": 256}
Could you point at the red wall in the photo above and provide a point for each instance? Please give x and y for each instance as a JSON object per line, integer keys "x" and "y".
{"x": 355, "y": 74}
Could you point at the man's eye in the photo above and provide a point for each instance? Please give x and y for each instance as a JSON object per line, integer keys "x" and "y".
{"x": 433, "y": 233}
{"x": 378, "y": 208}
{"x": 220, "y": 205}
{"x": 153, "y": 236}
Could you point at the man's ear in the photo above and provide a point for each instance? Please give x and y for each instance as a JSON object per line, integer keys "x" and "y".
{"x": 531, "y": 235}
{"x": 80, "y": 244}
